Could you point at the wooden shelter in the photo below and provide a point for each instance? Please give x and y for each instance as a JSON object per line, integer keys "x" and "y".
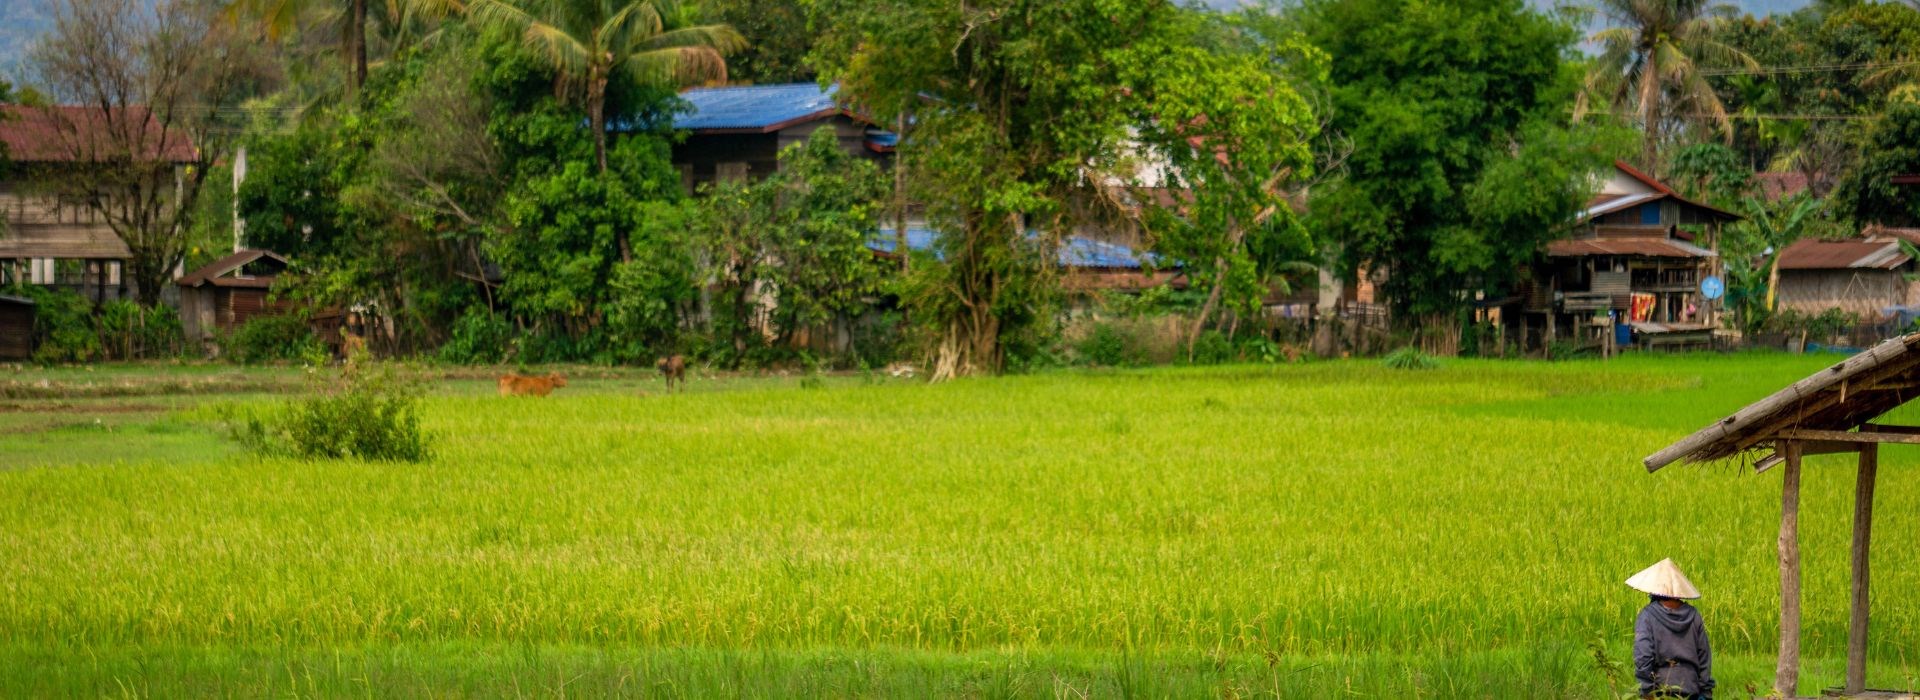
{"x": 1832, "y": 411}
{"x": 228, "y": 292}
{"x": 16, "y": 328}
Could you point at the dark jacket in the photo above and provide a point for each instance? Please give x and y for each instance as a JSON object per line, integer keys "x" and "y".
{"x": 1670, "y": 651}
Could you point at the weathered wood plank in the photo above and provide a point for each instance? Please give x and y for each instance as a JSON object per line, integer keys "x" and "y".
{"x": 1849, "y": 436}
{"x": 1786, "y": 671}
{"x": 1795, "y": 396}
{"x": 1862, "y": 549}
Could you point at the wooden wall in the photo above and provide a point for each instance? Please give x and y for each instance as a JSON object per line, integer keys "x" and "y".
{"x": 1859, "y": 292}
{"x": 16, "y": 331}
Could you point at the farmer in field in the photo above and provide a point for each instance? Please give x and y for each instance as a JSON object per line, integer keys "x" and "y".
{"x": 1671, "y": 656}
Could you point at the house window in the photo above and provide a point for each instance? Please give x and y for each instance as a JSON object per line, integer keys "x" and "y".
{"x": 113, "y": 273}
{"x": 731, "y": 172}
{"x": 40, "y": 271}
{"x": 1650, "y": 214}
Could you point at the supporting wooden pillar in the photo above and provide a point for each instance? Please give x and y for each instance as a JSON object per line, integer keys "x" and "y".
{"x": 1862, "y": 547}
{"x": 1786, "y": 673}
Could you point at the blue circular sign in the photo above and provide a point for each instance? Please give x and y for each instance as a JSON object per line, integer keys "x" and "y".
{"x": 1712, "y": 287}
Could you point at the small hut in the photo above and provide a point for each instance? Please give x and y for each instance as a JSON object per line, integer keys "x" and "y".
{"x": 1831, "y": 412}
{"x": 16, "y": 328}
{"x": 225, "y": 293}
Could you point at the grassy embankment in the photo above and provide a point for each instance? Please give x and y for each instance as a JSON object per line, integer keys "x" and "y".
{"x": 1302, "y": 531}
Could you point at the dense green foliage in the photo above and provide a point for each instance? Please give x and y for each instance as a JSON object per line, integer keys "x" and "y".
{"x": 1890, "y": 147}
{"x": 1462, "y": 163}
{"x": 68, "y": 327}
{"x": 1325, "y": 529}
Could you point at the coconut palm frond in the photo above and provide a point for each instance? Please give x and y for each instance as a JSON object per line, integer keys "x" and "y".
{"x": 718, "y": 37}
{"x": 686, "y": 64}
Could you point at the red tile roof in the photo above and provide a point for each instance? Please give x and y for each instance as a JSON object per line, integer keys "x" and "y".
{"x": 65, "y": 134}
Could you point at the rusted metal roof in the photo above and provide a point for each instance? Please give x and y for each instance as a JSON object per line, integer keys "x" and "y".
{"x": 1642, "y": 247}
{"x": 1845, "y": 396}
{"x": 215, "y": 273}
{"x": 68, "y": 134}
{"x": 1910, "y": 235}
{"x": 1856, "y": 254}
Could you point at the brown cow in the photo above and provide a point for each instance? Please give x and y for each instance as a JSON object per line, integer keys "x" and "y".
{"x": 673, "y": 367}
{"x": 512, "y": 384}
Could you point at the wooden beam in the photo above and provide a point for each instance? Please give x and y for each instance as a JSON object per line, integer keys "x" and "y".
{"x": 1895, "y": 429}
{"x": 1862, "y": 548}
{"x": 1786, "y": 671}
{"x": 1847, "y": 436}
{"x": 1829, "y": 447}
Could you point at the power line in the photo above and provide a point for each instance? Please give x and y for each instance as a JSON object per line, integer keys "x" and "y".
{"x": 1830, "y": 68}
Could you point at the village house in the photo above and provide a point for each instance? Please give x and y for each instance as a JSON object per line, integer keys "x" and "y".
{"x": 48, "y": 240}
{"x": 737, "y": 133}
{"x": 1629, "y": 272}
{"x": 226, "y": 293}
{"x": 1867, "y": 277}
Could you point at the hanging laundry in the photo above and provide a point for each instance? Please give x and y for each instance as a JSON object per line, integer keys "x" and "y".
{"x": 1641, "y": 308}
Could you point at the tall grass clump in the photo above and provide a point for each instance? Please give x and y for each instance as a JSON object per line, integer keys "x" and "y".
{"x": 369, "y": 411}
{"x": 1410, "y": 358}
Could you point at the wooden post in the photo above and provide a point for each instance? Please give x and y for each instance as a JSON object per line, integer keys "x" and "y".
{"x": 1786, "y": 672}
{"x": 1862, "y": 548}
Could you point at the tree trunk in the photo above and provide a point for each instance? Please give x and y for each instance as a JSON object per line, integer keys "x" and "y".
{"x": 1206, "y": 309}
{"x": 357, "y": 46}
{"x": 597, "y": 121}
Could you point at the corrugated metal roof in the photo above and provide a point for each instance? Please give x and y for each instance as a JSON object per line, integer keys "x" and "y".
{"x": 1842, "y": 255}
{"x": 66, "y": 134}
{"x": 1075, "y": 251}
{"x": 757, "y": 107}
{"x": 214, "y": 272}
{"x": 1644, "y": 247}
{"x": 1617, "y": 203}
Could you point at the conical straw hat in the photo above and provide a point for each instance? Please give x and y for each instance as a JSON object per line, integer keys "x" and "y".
{"x": 1664, "y": 579}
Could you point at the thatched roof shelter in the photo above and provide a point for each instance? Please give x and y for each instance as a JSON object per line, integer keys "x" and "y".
{"x": 1830, "y": 412}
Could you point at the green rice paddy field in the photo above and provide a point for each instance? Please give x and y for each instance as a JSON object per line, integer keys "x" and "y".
{"x": 1329, "y": 529}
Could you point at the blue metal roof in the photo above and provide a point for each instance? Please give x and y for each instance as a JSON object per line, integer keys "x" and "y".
{"x": 754, "y": 107}
{"x": 1075, "y": 251}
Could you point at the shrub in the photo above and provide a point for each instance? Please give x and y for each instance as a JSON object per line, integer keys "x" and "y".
{"x": 1410, "y": 358}
{"x": 1212, "y": 348}
{"x": 478, "y": 337}
{"x": 69, "y": 328}
{"x": 371, "y": 413}
{"x": 129, "y": 331}
{"x": 269, "y": 338}
{"x": 1106, "y": 346}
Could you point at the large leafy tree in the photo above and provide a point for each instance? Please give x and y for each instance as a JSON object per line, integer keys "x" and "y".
{"x": 591, "y": 44}
{"x": 1014, "y": 103}
{"x": 1462, "y": 164}
{"x": 1234, "y": 135}
{"x": 348, "y": 18}
{"x": 1652, "y": 61}
{"x": 778, "y": 38}
{"x": 1889, "y": 148}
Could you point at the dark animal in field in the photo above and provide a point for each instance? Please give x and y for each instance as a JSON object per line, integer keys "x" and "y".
{"x": 673, "y": 368}
{"x": 512, "y": 384}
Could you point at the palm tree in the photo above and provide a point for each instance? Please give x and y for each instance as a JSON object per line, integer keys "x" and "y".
{"x": 590, "y": 42}
{"x": 1653, "y": 58}
{"x": 278, "y": 17}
